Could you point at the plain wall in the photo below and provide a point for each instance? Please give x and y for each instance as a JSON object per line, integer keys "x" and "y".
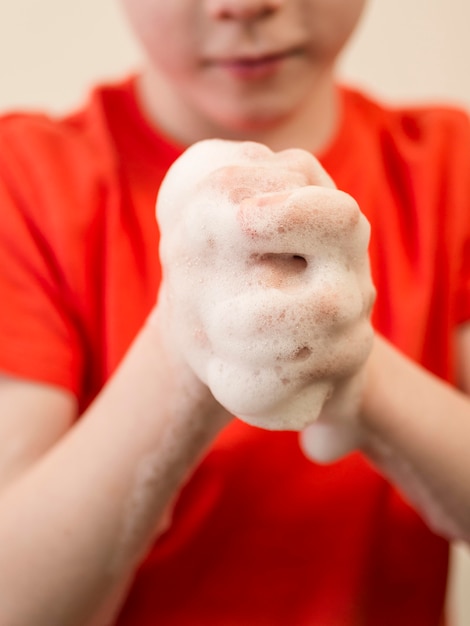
{"x": 52, "y": 51}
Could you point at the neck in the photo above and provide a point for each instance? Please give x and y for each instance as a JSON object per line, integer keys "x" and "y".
{"x": 311, "y": 126}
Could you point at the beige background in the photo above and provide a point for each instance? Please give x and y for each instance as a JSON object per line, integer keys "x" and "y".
{"x": 51, "y": 51}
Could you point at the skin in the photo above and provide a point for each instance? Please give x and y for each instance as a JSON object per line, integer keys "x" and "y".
{"x": 153, "y": 421}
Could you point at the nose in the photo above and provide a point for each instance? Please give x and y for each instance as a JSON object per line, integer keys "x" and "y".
{"x": 242, "y": 9}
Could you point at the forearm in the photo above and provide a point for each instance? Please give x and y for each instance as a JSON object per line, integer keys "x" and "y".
{"x": 417, "y": 432}
{"x": 75, "y": 526}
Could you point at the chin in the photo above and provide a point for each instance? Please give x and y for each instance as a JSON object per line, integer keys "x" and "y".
{"x": 253, "y": 126}
{"x": 241, "y": 122}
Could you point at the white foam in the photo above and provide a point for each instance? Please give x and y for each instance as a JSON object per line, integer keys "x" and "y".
{"x": 267, "y": 279}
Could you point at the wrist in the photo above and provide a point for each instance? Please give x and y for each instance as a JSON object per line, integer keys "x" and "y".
{"x": 183, "y": 394}
{"x": 397, "y": 391}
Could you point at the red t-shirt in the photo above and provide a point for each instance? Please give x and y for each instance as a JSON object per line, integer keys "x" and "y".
{"x": 260, "y": 535}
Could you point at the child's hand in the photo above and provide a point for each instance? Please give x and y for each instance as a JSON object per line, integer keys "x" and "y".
{"x": 266, "y": 291}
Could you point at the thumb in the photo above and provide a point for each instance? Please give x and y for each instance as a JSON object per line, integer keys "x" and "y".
{"x": 328, "y": 441}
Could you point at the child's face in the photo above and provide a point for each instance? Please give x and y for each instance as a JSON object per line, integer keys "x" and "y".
{"x": 238, "y": 66}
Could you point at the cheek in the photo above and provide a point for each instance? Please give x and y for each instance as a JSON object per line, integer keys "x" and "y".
{"x": 164, "y": 29}
{"x": 333, "y": 23}
{"x": 348, "y": 14}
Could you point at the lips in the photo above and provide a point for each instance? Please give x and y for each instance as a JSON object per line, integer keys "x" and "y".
{"x": 254, "y": 67}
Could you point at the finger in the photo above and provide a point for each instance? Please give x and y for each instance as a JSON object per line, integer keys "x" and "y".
{"x": 298, "y": 160}
{"x": 302, "y": 222}
{"x": 255, "y": 170}
{"x": 326, "y": 442}
{"x": 239, "y": 182}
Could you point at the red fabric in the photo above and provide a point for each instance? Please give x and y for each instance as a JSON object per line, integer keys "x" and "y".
{"x": 260, "y": 536}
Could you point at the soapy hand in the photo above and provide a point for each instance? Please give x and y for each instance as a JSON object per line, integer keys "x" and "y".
{"x": 266, "y": 289}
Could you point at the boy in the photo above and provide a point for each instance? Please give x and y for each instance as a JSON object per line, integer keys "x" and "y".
{"x": 156, "y": 506}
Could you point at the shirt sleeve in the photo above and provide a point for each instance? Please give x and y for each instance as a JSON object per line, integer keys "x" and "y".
{"x": 38, "y": 337}
{"x": 463, "y": 294}
{"x": 458, "y": 218}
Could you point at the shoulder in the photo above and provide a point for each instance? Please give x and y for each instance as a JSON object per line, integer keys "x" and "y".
{"x": 57, "y": 171}
{"x": 33, "y": 141}
{"x": 58, "y": 177}
{"x": 426, "y": 128}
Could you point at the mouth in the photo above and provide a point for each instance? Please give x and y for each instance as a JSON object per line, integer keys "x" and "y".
{"x": 254, "y": 67}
